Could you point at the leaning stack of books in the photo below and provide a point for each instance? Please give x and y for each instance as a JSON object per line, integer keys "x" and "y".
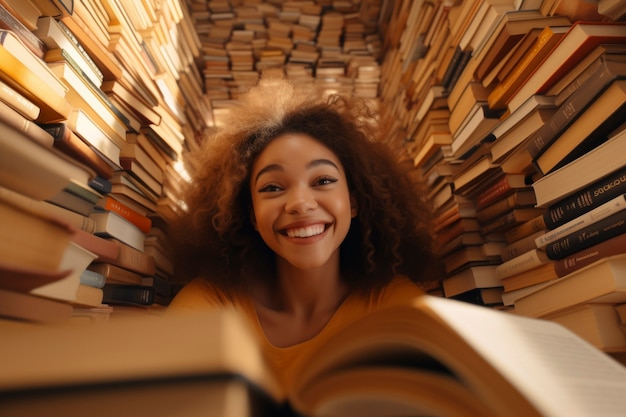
{"x": 99, "y": 105}
{"x": 528, "y": 89}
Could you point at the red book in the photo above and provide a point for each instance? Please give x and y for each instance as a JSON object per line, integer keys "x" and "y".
{"x": 111, "y": 204}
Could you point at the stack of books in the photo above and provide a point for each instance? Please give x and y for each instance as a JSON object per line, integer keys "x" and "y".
{"x": 100, "y": 102}
{"x": 499, "y": 107}
{"x": 338, "y": 46}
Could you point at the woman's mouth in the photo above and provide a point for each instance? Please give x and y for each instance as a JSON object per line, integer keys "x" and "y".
{"x": 304, "y": 232}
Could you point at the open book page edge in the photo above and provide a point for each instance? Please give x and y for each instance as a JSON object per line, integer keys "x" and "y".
{"x": 559, "y": 372}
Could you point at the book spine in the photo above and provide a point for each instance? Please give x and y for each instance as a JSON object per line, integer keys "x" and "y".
{"x": 613, "y": 246}
{"x": 115, "y": 274}
{"x": 66, "y": 141}
{"x": 128, "y": 294}
{"x": 570, "y": 109}
{"x": 495, "y": 191}
{"x": 588, "y": 236}
{"x": 53, "y": 107}
{"x": 18, "y": 122}
{"x": 590, "y": 197}
{"x": 133, "y": 259}
{"x": 95, "y": 89}
{"x": 93, "y": 279}
{"x": 526, "y": 261}
{"x": 523, "y": 245}
{"x": 142, "y": 222}
{"x": 498, "y": 97}
{"x": 32, "y": 42}
{"x": 18, "y": 102}
{"x": 601, "y": 212}
{"x": 525, "y": 229}
{"x": 92, "y": 65}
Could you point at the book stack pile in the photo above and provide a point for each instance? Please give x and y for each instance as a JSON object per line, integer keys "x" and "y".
{"x": 99, "y": 102}
{"x": 336, "y": 43}
{"x": 495, "y": 98}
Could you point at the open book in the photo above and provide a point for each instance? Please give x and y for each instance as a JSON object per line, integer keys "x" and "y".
{"x": 438, "y": 358}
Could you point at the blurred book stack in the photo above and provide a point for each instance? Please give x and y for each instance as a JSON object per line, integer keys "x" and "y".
{"x": 334, "y": 43}
{"x": 100, "y": 101}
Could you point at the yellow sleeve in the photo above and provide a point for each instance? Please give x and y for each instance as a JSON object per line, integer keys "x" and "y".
{"x": 198, "y": 294}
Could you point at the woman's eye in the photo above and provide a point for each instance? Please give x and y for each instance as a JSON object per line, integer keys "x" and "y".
{"x": 271, "y": 188}
{"x": 325, "y": 181}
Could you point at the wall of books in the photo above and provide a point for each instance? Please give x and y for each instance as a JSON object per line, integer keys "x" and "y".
{"x": 99, "y": 100}
{"x": 336, "y": 43}
{"x": 513, "y": 112}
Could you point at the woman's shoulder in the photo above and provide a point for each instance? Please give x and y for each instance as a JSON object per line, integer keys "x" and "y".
{"x": 199, "y": 293}
{"x": 400, "y": 290}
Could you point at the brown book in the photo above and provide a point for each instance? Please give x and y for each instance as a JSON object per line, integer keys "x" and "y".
{"x": 116, "y": 274}
{"x": 600, "y": 282}
{"x": 518, "y": 199}
{"x": 528, "y": 227}
{"x": 510, "y": 29}
{"x": 503, "y": 185}
{"x": 597, "y": 163}
{"x": 581, "y": 38}
{"x": 69, "y": 143}
{"x": 133, "y": 259}
{"x": 590, "y": 129}
{"x": 134, "y": 101}
{"x": 18, "y": 102}
{"x": 547, "y": 39}
{"x": 104, "y": 249}
{"x": 9, "y": 21}
{"x": 600, "y": 75}
{"x": 27, "y": 307}
{"x": 539, "y": 274}
{"x": 29, "y": 76}
{"x": 14, "y": 119}
{"x": 510, "y": 219}
{"x": 467, "y": 256}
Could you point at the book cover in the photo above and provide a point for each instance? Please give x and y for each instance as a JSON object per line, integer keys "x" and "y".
{"x": 574, "y": 45}
{"x": 587, "y": 218}
{"x": 593, "y": 127}
{"x": 597, "y": 163}
{"x": 575, "y": 105}
{"x": 111, "y": 224}
{"x": 577, "y": 203}
{"x": 68, "y": 142}
{"x": 599, "y": 282}
{"x": 596, "y": 232}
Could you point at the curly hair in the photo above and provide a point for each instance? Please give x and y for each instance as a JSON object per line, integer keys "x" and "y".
{"x": 216, "y": 240}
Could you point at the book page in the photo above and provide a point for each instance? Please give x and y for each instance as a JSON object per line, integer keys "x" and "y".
{"x": 559, "y": 372}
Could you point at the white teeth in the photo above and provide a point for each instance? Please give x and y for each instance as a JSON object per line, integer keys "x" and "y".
{"x": 306, "y": 231}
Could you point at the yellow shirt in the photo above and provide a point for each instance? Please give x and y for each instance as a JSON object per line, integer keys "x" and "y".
{"x": 200, "y": 295}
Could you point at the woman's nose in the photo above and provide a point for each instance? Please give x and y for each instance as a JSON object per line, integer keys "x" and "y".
{"x": 300, "y": 199}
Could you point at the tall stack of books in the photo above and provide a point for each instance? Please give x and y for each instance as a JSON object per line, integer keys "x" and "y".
{"x": 100, "y": 101}
{"x": 500, "y": 103}
{"x": 335, "y": 43}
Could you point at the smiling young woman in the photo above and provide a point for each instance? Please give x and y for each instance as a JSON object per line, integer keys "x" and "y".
{"x": 302, "y": 219}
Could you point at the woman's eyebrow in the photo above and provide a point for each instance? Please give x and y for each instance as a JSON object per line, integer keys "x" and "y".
{"x": 317, "y": 162}
{"x": 312, "y": 164}
{"x": 266, "y": 169}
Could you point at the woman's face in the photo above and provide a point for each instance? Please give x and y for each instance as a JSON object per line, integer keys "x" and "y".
{"x": 301, "y": 203}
